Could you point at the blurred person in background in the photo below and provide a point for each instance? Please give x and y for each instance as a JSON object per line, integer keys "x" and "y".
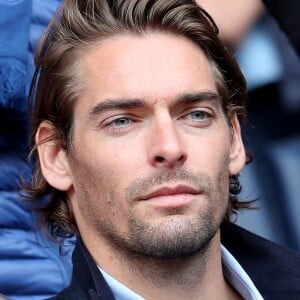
{"x": 31, "y": 267}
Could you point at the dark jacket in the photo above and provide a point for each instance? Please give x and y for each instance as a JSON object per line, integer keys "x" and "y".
{"x": 274, "y": 270}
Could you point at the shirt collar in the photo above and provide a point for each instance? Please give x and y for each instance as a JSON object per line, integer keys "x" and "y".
{"x": 237, "y": 277}
{"x": 119, "y": 290}
{"x": 233, "y": 272}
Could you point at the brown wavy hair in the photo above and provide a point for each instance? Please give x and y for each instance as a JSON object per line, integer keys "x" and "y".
{"x": 79, "y": 25}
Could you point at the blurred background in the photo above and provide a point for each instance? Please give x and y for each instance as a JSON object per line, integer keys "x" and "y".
{"x": 30, "y": 266}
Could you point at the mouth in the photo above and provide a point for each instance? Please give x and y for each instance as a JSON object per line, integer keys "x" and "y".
{"x": 171, "y": 197}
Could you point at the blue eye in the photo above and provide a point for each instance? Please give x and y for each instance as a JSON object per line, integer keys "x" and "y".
{"x": 120, "y": 122}
{"x": 198, "y": 115}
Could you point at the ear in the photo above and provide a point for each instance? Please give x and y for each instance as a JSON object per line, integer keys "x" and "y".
{"x": 237, "y": 150}
{"x": 52, "y": 157}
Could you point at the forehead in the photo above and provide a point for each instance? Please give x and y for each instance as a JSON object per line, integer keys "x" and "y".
{"x": 154, "y": 67}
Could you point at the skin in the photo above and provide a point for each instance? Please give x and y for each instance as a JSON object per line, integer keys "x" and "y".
{"x": 147, "y": 175}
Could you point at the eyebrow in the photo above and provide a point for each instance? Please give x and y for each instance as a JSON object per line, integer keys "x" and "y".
{"x": 128, "y": 103}
{"x": 197, "y": 97}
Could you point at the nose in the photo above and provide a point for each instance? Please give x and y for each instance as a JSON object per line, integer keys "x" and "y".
{"x": 166, "y": 148}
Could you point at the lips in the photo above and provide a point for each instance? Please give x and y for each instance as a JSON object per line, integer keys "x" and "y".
{"x": 171, "y": 194}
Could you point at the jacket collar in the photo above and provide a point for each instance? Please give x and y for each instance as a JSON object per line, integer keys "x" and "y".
{"x": 87, "y": 282}
{"x": 274, "y": 270}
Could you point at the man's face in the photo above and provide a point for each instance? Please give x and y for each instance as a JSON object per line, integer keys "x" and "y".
{"x": 152, "y": 150}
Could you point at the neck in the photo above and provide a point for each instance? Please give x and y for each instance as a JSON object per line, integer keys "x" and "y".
{"x": 198, "y": 276}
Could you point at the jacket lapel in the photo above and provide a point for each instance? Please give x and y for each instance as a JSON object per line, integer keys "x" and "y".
{"x": 87, "y": 282}
{"x": 274, "y": 270}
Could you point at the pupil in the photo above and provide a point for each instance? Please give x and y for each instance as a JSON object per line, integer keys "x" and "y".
{"x": 122, "y": 122}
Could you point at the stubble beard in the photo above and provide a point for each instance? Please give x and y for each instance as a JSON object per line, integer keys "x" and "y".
{"x": 172, "y": 251}
{"x": 175, "y": 236}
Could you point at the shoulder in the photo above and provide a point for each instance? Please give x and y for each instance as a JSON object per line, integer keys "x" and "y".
{"x": 275, "y": 270}
{"x": 72, "y": 293}
{"x": 242, "y": 241}
{"x": 87, "y": 282}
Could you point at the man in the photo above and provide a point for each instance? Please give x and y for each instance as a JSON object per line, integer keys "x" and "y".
{"x": 136, "y": 110}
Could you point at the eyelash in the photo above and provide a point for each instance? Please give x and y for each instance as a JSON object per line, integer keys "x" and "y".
{"x": 206, "y": 118}
{"x": 111, "y": 124}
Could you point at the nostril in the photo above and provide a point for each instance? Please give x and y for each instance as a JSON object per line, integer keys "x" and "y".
{"x": 181, "y": 158}
{"x": 159, "y": 159}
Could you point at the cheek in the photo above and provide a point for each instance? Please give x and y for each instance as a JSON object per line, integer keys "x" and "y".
{"x": 211, "y": 155}
{"x": 101, "y": 171}
{"x": 124, "y": 160}
{"x": 98, "y": 200}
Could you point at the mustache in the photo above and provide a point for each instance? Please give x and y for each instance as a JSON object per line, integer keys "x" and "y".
{"x": 142, "y": 185}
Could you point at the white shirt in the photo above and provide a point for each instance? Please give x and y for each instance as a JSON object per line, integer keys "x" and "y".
{"x": 233, "y": 272}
